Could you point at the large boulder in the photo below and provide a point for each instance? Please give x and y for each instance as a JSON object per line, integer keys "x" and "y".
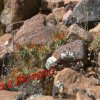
{"x": 73, "y": 81}
{"x": 86, "y": 10}
{"x": 18, "y": 10}
{"x": 35, "y": 31}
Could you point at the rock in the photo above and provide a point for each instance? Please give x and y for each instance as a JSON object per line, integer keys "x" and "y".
{"x": 68, "y": 1}
{"x": 95, "y": 31}
{"x": 77, "y": 50}
{"x": 70, "y": 5}
{"x": 94, "y": 91}
{"x": 41, "y": 98}
{"x": 74, "y": 81}
{"x": 99, "y": 58}
{"x": 7, "y": 95}
{"x": 51, "y": 4}
{"x": 67, "y": 14}
{"x": 3, "y": 48}
{"x": 58, "y": 13}
{"x": 15, "y": 10}
{"x": 77, "y": 32}
{"x": 70, "y": 53}
{"x": 86, "y": 10}
{"x": 82, "y": 96}
{"x": 34, "y": 30}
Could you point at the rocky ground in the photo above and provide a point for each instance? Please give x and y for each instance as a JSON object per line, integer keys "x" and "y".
{"x": 64, "y": 34}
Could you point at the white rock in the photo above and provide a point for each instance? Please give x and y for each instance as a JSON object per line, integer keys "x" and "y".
{"x": 63, "y": 55}
{"x": 32, "y": 97}
{"x": 51, "y": 62}
{"x": 6, "y": 43}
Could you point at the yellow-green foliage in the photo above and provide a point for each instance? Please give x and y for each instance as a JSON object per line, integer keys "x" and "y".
{"x": 95, "y": 45}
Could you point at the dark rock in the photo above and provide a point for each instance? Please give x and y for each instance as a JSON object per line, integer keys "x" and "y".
{"x": 86, "y": 10}
{"x": 15, "y": 10}
{"x": 1, "y": 5}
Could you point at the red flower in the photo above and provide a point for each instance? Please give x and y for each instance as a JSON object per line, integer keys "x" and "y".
{"x": 38, "y": 76}
{"x": 19, "y": 80}
{"x": 23, "y": 78}
{"x": 10, "y": 84}
{"x": 1, "y": 86}
{"x": 52, "y": 71}
{"x": 33, "y": 76}
{"x": 46, "y": 73}
{"x": 28, "y": 77}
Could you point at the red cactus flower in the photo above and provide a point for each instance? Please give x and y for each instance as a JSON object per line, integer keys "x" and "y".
{"x": 1, "y": 86}
{"x": 52, "y": 71}
{"x": 33, "y": 76}
{"x": 23, "y": 78}
{"x": 28, "y": 77}
{"x": 46, "y": 73}
{"x": 19, "y": 80}
{"x": 38, "y": 76}
{"x": 10, "y": 84}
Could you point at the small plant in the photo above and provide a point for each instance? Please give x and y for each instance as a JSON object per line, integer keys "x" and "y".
{"x": 95, "y": 45}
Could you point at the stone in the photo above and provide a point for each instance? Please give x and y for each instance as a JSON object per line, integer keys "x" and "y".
{"x": 68, "y": 1}
{"x": 35, "y": 31}
{"x": 95, "y": 31}
{"x": 74, "y": 81}
{"x": 82, "y": 96}
{"x": 15, "y": 10}
{"x": 58, "y": 13}
{"x": 85, "y": 11}
{"x": 3, "y": 49}
{"x": 42, "y": 98}
{"x": 77, "y": 50}
{"x": 75, "y": 31}
{"x": 7, "y": 95}
{"x": 94, "y": 91}
{"x": 67, "y": 14}
{"x": 51, "y": 4}
{"x": 71, "y": 55}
